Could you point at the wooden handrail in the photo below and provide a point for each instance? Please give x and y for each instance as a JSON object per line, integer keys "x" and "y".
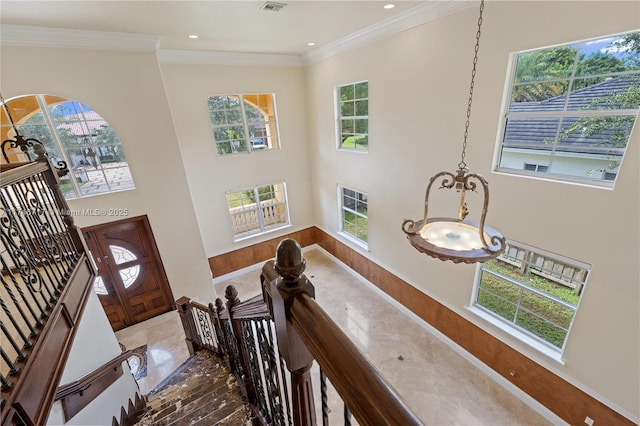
{"x": 363, "y": 389}
{"x": 306, "y": 332}
{"x": 22, "y": 171}
{"x": 65, "y": 281}
{"x": 79, "y": 393}
{"x": 85, "y": 381}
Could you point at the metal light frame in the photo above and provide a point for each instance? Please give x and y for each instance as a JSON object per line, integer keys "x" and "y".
{"x": 455, "y": 239}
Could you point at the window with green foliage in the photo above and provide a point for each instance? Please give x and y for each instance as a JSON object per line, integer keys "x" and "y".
{"x": 76, "y": 134}
{"x": 257, "y": 210}
{"x": 243, "y": 123}
{"x": 353, "y": 214}
{"x": 533, "y": 291}
{"x": 570, "y": 109}
{"x": 353, "y": 116}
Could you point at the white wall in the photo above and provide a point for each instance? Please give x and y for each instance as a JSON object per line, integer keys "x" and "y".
{"x": 418, "y": 89}
{"x": 126, "y": 89}
{"x": 95, "y": 345}
{"x": 210, "y": 175}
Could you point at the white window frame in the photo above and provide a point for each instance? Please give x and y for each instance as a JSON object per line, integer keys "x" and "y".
{"x": 262, "y": 224}
{"x": 345, "y": 209}
{"x": 597, "y": 179}
{"x": 509, "y": 326}
{"x": 340, "y": 118}
{"x": 269, "y": 141}
{"x": 79, "y": 170}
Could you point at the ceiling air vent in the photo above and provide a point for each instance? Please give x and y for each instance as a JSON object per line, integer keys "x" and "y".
{"x": 273, "y": 6}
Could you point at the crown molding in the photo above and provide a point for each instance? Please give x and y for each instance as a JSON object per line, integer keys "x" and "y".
{"x": 18, "y": 35}
{"x": 418, "y": 15}
{"x": 228, "y": 58}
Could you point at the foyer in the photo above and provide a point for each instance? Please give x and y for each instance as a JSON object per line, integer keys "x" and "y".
{"x": 436, "y": 381}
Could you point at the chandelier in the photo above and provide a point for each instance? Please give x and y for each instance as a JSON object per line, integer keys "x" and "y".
{"x": 458, "y": 239}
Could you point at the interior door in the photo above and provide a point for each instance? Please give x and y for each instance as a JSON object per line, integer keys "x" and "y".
{"x": 131, "y": 284}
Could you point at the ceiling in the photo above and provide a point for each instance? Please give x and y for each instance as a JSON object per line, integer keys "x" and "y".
{"x": 239, "y": 26}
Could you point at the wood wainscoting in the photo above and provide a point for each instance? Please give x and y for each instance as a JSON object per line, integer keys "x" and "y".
{"x": 559, "y": 396}
{"x": 260, "y": 252}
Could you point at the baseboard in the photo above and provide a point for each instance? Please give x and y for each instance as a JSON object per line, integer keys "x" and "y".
{"x": 551, "y": 395}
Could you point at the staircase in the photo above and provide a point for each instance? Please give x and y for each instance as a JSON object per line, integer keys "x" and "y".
{"x": 201, "y": 391}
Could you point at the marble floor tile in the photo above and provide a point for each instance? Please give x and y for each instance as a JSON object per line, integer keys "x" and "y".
{"x": 437, "y": 383}
{"x": 166, "y": 347}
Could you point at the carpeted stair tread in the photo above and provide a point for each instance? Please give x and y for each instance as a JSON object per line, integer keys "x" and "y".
{"x": 200, "y": 391}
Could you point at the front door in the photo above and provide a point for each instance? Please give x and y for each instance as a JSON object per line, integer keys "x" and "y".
{"x": 131, "y": 283}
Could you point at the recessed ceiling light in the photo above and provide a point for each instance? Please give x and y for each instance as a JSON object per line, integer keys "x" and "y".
{"x": 193, "y": 36}
{"x": 389, "y": 6}
{"x": 311, "y": 43}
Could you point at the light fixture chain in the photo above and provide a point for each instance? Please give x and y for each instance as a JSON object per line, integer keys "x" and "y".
{"x": 462, "y": 164}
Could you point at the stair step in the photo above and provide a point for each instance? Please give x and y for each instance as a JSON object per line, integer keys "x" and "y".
{"x": 200, "y": 391}
{"x": 162, "y": 400}
{"x": 204, "y": 361}
{"x": 214, "y": 412}
{"x": 183, "y": 408}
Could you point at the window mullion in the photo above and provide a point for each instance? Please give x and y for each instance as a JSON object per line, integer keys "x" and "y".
{"x": 49, "y": 121}
{"x": 572, "y": 113}
{"x": 256, "y": 194}
{"x": 245, "y": 126}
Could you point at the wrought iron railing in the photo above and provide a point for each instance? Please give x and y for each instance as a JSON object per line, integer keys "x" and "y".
{"x": 45, "y": 281}
{"x": 270, "y": 342}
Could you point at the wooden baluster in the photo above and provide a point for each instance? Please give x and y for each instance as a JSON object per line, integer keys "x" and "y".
{"x": 291, "y": 265}
{"x": 183, "y": 305}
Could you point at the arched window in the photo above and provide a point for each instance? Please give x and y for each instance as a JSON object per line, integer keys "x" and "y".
{"x": 74, "y": 133}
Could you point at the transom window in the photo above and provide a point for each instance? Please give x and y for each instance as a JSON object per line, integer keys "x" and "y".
{"x": 354, "y": 219}
{"x": 76, "y": 134}
{"x": 243, "y": 123}
{"x": 532, "y": 291}
{"x": 571, "y": 109}
{"x": 258, "y": 210}
{"x": 353, "y": 116}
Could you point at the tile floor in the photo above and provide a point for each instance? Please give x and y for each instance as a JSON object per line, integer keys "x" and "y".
{"x": 437, "y": 383}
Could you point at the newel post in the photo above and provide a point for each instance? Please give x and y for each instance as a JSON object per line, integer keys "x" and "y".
{"x": 290, "y": 265}
{"x": 183, "y": 305}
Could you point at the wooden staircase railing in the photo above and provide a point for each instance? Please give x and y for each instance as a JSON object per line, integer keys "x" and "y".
{"x": 283, "y": 331}
{"x": 78, "y": 394}
{"x": 46, "y": 279}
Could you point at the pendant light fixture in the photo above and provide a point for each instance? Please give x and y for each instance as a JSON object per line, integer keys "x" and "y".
{"x": 458, "y": 239}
